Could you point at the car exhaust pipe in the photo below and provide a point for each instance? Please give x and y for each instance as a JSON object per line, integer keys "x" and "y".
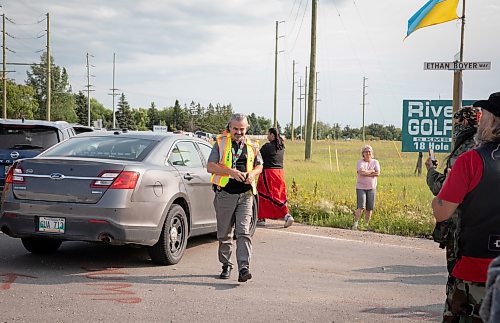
{"x": 106, "y": 238}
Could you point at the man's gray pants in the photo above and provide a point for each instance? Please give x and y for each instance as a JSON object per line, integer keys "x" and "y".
{"x": 234, "y": 210}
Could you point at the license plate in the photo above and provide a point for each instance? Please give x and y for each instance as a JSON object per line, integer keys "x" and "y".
{"x": 52, "y": 225}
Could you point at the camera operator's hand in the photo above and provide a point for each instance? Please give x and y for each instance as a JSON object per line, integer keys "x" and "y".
{"x": 429, "y": 163}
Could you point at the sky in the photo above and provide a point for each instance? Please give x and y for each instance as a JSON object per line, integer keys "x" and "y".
{"x": 223, "y": 52}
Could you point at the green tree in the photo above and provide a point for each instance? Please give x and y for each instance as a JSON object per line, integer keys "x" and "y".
{"x": 81, "y": 108}
{"x": 265, "y": 124}
{"x": 141, "y": 119}
{"x": 324, "y": 130}
{"x": 21, "y": 101}
{"x": 350, "y": 133}
{"x": 100, "y": 112}
{"x": 63, "y": 108}
{"x": 62, "y": 101}
{"x": 195, "y": 117}
{"x": 180, "y": 116}
{"x": 153, "y": 116}
{"x": 124, "y": 114}
{"x": 254, "y": 125}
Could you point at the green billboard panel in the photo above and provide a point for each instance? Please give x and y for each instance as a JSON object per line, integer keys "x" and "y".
{"x": 427, "y": 124}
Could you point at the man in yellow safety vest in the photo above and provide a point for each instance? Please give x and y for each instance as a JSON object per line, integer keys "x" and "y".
{"x": 234, "y": 163}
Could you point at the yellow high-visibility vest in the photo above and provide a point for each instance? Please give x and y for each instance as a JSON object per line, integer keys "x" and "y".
{"x": 226, "y": 159}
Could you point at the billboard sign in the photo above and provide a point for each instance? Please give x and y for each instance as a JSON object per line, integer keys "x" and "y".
{"x": 427, "y": 124}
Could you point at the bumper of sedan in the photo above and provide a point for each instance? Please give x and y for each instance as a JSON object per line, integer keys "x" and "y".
{"x": 82, "y": 227}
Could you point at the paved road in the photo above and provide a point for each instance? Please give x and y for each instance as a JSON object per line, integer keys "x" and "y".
{"x": 301, "y": 274}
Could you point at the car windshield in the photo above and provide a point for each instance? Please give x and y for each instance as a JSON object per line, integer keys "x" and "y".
{"x": 107, "y": 147}
{"x": 27, "y": 137}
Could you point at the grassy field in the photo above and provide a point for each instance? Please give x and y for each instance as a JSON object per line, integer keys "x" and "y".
{"x": 320, "y": 194}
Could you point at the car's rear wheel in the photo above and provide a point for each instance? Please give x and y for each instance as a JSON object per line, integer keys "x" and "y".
{"x": 41, "y": 245}
{"x": 173, "y": 239}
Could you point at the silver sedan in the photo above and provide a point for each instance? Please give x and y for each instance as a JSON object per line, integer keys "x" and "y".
{"x": 140, "y": 188}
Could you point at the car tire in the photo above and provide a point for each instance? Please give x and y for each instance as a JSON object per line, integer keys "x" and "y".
{"x": 41, "y": 246}
{"x": 173, "y": 238}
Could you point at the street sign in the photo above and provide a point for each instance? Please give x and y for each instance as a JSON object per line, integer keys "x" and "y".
{"x": 428, "y": 124}
{"x": 160, "y": 129}
{"x": 457, "y": 66}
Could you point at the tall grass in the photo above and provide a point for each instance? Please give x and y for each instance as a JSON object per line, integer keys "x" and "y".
{"x": 319, "y": 194}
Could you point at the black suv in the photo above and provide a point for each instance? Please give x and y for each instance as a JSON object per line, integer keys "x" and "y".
{"x": 28, "y": 138}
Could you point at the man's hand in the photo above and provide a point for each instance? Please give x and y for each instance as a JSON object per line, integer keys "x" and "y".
{"x": 251, "y": 175}
{"x": 237, "y": 175}
{"x": 429, "y": 163}
{"x": 250, "y": 178}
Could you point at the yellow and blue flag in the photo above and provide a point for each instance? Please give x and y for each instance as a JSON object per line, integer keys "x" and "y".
{"x": 432, "y": 13}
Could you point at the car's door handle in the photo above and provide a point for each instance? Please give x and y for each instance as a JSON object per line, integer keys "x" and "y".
{"x": 188, "y": 177}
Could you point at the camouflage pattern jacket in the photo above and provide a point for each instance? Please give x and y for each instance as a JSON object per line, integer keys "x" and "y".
{"x": 435, "y": 179}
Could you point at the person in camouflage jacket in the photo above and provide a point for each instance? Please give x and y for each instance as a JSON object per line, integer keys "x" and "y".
{"x": 446, "y": 232}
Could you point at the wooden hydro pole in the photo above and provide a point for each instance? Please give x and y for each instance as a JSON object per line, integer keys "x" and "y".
{"x": 49, "y": 74}
{"x": 312, "y": 84}
{"x": 293, "y": 100}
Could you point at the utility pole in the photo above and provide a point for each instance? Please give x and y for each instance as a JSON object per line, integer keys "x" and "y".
{"x": 276, "y": 76}
{"x": 88, "y": 89}
{"x": 293, "y": 98}
{"x": 364, "y": 103}
{"x": 300, "y": 98}
{"x": 4, "y": 74}
{"x": 113, "y": 90}
{"x": 316, "y": 109}
{"x": 48, "y": 68}
{"x": 312, "y": 82}
{"x": 305, "y": 106}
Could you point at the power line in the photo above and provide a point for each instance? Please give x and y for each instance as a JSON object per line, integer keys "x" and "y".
{"x": 296, "y": 16}
{"x": 300, "y": 28}
{"x": 291, "y": 10}
{"x": 25, "y": 24}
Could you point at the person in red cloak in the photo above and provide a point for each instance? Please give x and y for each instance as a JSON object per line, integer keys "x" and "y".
{"x": 271, "y": 185}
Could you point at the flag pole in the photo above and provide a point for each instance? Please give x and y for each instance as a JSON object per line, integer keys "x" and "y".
{"x": 462, "y": 33}
{"x": 457, "y": 75}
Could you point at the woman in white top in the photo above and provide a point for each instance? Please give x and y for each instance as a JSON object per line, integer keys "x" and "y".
{"x": 368, "y": 170}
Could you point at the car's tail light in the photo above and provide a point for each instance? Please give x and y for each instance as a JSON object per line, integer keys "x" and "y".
{"x": 116, "y": 180}
{"x": 126, "y": 180}
{"x": 107, "y": 179}
{"x": 14, "y": 175}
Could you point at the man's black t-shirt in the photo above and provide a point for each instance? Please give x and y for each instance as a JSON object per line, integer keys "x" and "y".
{"x": 233, "y": 186}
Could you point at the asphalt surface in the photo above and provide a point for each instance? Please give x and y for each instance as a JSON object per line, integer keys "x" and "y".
{"x": 300, "y": 274}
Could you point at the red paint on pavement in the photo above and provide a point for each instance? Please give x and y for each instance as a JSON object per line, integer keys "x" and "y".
{"x": 110, "y": 288}
{"x": 10, "y": 278}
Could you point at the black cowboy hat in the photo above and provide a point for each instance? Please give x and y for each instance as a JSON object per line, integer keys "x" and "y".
{"x": 491, "y": 105}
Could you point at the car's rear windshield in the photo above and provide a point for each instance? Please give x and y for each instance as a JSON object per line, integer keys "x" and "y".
{"x": 112, "y": 147}
{"x": 27, "y": 136}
